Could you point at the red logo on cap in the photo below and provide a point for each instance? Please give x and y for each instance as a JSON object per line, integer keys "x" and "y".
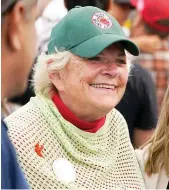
{"x": 101, "y": 20}
{"x": 104, "y": 21}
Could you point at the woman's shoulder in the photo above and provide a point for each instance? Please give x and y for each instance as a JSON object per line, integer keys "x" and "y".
{"x": 25, "y": 126}
{"x": 155, "y": 181}
{"x": 116, "y": 115}
{"x": 25, "y": 120}
{"x": 117, "y": 119}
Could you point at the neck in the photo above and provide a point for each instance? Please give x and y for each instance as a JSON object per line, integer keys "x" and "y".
{"x": 4, "y": 82}
{"x": 69, "y": 116}
{"x": 82, "y": 112}
{"x": 6, "y": 78}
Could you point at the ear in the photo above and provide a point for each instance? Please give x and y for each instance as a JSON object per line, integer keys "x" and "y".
{"x": 15, "y": 24}
{"x": 57, "y": 81}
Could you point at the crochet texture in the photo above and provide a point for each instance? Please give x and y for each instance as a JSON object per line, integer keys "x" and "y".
{"x": 101, "y": 160}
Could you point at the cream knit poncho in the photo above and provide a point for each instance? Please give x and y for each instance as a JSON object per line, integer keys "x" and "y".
{"x": 72, "y": 158}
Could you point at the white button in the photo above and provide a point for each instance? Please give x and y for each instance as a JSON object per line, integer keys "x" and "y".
{"x": 64, "y": 171}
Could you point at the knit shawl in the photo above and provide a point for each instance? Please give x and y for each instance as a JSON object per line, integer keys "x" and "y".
{"x": 101, "y": 160}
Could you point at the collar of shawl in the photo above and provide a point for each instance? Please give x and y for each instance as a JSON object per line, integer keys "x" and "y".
{"x": 69, "y": 116}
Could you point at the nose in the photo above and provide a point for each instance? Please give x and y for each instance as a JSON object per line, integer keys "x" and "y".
{"x": 111, "y": 70}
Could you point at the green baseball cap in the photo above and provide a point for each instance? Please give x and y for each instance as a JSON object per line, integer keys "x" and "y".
{"x": 87, "y": 31}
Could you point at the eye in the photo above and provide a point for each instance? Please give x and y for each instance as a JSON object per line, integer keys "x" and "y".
{"x": 121, "y": 61}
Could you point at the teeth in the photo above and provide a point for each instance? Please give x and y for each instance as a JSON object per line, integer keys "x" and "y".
{"x": 103, "y": 86}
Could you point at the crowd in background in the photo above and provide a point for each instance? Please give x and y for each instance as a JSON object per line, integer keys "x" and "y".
{"x": 141, "y": 104}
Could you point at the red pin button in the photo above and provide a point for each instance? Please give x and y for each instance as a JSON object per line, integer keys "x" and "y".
{"x": 38, "y": 149}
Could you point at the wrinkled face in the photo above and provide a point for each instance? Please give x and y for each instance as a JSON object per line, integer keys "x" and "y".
{"x": 95, "y": 85}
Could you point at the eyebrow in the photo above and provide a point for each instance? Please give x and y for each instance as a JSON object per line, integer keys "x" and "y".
{"x": 119, "y": 55}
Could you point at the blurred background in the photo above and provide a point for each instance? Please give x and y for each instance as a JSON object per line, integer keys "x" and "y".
{"x": 149, "y": 75}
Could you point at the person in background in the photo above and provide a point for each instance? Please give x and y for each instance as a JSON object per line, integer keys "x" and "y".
{"x": 56, "y": 10}
{"x": 153, "y": 157}
{"x": 69, "y": 135}
{"x": 139, "y": 105}
{"x": 14, "y": 103}
{"x": 139, "y": 101}
{"x": 41, "y": 6}
{"x": 18, "y": 51}
{"x": 51, "y": 15}
{"x": 50, "y": 12}
{"x": 121, "y": 10}
{"x": 156, "y": 23}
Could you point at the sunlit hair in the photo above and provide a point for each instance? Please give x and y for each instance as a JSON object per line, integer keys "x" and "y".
{"x": 129, "y": 60}
{"x": 158, "y": 155}
{"x": 47, "y": 64}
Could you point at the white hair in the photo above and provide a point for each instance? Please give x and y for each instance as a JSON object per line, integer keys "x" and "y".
{"x": 129, "y": 60}
{"x": 45, "y": 65}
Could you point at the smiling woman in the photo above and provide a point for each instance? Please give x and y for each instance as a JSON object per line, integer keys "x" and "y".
{"x": 82, "y": 80}
{"x": 72, "y": 137}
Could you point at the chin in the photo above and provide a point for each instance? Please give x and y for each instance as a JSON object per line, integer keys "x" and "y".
{"x": 107, "y": 106}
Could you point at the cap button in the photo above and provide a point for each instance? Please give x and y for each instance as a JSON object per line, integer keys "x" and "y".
{"x": 77, "y": 6}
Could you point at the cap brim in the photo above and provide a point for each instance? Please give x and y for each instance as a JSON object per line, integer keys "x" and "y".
{"x": 93, "y": 46}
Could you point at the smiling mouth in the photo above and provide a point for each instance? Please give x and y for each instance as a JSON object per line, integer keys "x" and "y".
{"x": 104, "y": 86}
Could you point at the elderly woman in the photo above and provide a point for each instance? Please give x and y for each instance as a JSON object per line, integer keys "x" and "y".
{"x": 70, "y": 135}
